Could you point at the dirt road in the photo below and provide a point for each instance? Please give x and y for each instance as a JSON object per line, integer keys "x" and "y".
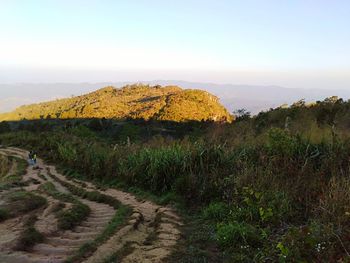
{"x": 149, "y": 236}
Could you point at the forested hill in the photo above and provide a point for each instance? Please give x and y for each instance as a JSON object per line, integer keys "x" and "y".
{"x": 132, "y": 101}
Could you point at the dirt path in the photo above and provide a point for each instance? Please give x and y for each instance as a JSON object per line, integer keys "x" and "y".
{"x": 58, "y": 244}
{"x": 149, "y": 236}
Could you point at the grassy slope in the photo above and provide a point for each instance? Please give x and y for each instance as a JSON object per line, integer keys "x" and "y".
{"x": 272, "y": 188}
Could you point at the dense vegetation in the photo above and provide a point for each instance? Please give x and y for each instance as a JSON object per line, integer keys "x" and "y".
{"x": 274, "y": 187}
{"x": 131, "y": 102}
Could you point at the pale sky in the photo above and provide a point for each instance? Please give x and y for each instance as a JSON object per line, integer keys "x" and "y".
{"x": 294, "y": 43}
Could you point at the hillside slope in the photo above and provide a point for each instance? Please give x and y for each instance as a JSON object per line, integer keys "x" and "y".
{"x": 133, "y": 101}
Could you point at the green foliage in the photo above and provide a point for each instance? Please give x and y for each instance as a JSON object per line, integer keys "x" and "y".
{"x": 280, "y": 142}
{"x": 284, "y": 252}
{"x": 5, "y": 166}
{"x": 67, "y": 152}
{"x": 68, "y": 219}
{"x": 29, "y": 236}
{"x": 17, "y": 167}
{"x": 82, "y": 131}
{"x": 20, "y": 202}
{"x": 242, "y": 115}
{"x": 4, "y": 127}
{"x": 129, "y": 132}
{"x": 218, "y": 211}
{"x": 238, "y": 233}
{"x": 270, "y": 207}
{"x": 308, "y": 243}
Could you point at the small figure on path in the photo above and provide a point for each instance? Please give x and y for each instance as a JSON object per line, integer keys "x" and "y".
{"x": 31, "y": 158}
{"x": 34, "y": 158}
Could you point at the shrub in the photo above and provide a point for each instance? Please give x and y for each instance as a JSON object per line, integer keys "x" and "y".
{"x": 29, "y": 236}
{"x": 4, "y": 214}
{"x": 280, "y": 142}
{"x": 312, "y": 242}
{"x": 68, "y": 219}
{"x": 22, "y": 202}
{"x": 237, "y": 233}
{"x": 217, "y": 211}
{"x": 4, "y": 127}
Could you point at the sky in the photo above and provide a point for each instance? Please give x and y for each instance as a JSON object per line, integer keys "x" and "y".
{"x": 293, "y": 43}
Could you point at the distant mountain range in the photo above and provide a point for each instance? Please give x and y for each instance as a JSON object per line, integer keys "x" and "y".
{"x": 233, "y": 97}
{"x": 139, "y": 101}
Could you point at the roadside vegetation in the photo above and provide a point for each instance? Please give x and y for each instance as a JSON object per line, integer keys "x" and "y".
{"x": 20, "y": 202}
{"x": 5, "y": 165}
{"x": 11, "y": 171}
{"x": 274, "y": 187}
{"x": 29, "y": 235}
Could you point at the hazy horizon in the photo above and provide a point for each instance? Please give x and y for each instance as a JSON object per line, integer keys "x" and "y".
{"x": 294, "y": 44}
{"x": 254, "y": 98}
{"x": 291, "y": 79}
{"x": 298, "y": 45}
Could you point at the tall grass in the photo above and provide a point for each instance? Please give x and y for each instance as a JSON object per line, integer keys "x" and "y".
{"x": 274, "y": 192}
{"x": 5, "y": 165}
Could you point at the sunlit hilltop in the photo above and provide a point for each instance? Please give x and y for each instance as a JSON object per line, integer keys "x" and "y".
{"x": 169, "y": 103}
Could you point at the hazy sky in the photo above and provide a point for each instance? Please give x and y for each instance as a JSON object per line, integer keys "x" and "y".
{"x": 294, "y": 43}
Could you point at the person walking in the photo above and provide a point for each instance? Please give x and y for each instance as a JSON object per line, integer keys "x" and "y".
{"x": 30, "y": 158}
{"x": 34, "y": 158}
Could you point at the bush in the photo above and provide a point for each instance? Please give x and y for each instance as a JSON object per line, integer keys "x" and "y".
{"x": 217, "y": 211}
{"x": 280, "y": 142}
{"x": 28, "y": 238}
{"x": 237, "y": 234}
{"x": 309, "y": 242}
{"x": 68, "y": 219}
{"x": 22, "y": 202}
{"x": 4, "y": 214}
{"x": 4, "y": 127}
